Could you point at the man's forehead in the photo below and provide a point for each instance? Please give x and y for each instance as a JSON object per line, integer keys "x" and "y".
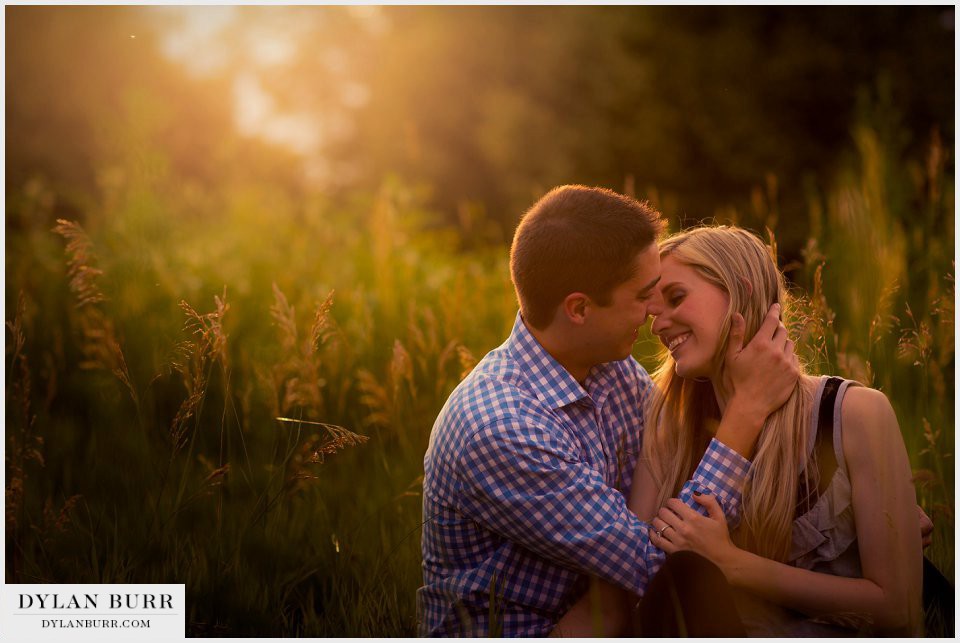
{"x": 648, "y": 285}
{"x": 647, "y": 266}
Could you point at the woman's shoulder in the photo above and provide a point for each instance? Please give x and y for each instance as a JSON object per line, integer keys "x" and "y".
{"x": 864, "y": 404}
{"x": 857, "y": 402}
{"x": 869, "y": 423}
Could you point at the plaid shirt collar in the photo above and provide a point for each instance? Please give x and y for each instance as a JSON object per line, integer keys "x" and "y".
{"x": 555, "y": 386}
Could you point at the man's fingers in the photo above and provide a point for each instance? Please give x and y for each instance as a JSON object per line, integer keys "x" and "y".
{"x": 771, "y": 322}
{"x": 735, "y": 345}
{"x": 780, "y": 336}
{"x": 788, "y": 348}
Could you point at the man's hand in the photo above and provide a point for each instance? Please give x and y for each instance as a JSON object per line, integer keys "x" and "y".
{"x": 758, "y": 379}
{"x": 926, "y": 527}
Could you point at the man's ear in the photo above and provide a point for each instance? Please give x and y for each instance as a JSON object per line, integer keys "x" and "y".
{"x": 574, "y": 307}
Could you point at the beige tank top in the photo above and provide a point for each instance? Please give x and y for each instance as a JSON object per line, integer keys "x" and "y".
{"x": 825, "y": 537}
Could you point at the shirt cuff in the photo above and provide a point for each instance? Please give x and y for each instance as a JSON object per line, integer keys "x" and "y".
{"x": 722, "y": 472}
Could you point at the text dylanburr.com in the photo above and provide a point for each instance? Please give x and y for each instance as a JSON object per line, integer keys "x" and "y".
{"x": 92, "y": 612}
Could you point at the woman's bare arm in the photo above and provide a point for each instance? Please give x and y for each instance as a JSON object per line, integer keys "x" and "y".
{"x": 643, "y": 495}
{"x": 884, "y": 503}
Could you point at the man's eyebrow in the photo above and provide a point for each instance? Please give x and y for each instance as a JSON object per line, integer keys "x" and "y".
{"x": 651, "y": 284}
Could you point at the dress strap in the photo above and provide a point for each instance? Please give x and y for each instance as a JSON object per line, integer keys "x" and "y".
{"x": 825, "y": 415}
{"x": 817, "y": 478}
{"x": 838, "y": 423}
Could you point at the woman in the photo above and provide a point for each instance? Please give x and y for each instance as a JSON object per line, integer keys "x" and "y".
{"x": 827, "y": 535}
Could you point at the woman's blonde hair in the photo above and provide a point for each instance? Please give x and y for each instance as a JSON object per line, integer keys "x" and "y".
{"x": 740, "y": 264}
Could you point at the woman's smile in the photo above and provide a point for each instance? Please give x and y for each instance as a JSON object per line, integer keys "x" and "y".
{"x": 673, "y": 343}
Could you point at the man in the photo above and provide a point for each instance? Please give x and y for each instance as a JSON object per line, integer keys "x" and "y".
{"x": 532, "y": 456}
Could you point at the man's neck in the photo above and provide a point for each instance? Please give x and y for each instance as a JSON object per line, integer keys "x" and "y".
{"x": 556, "y": 347}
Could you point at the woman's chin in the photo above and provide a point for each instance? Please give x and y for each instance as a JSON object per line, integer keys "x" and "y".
{"x": 689, "y": 371}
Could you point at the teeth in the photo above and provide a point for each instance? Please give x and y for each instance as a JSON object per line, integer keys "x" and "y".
{"x": 676, "y": 341}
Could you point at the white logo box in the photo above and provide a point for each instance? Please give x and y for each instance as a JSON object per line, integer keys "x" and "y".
{"x": 92, "y": 613}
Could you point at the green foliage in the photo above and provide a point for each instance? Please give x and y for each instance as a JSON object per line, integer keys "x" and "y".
{"x": 144, "y": 441}
{"x": 206, "y": 292}
{"x": 700, "y": 102}
{"x": 179, "y": 469}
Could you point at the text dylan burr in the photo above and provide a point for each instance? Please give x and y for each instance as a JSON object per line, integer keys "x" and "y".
{"x": 93, "y": 601}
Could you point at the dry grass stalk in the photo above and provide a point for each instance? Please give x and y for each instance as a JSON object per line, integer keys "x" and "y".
{"x": 297, "y": 378}
{"x": 208, "y": 343}
{"x": 336, "y": 438}
{"x": 315, "y": 449}
{"x": 99, "y": 345}
{"x": 385, "y": 402}
{"x": 820, "y": 319}
{"x": 284, "y": 316}
{"x": 216, "y": 474}
{"x": 401, "y": 371}
{"x": 323, "y": 327}
{"x": 943, "y": 304}
{"x": 467, "y": 360}
{"x": 424, "y": 338}
{"x": 19, "y": 385}
{"x": 935, "y": 162}
{"x": 446, "y": 356}
{"x": 23, "y": 446}
{"x": 915, "y": 341}
{"x": 931, "y": 437}
{"x": 58, "y": 519}
{"x": 339, "y": 356}
{"x": 375, "y": 397}
{"x": 425, "y": 343}
{"x": 80, "y": 263}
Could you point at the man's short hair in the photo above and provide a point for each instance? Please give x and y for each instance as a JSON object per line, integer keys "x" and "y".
{"x": 577, "y": 239}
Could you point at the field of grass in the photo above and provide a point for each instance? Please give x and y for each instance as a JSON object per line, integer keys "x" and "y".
{"x": 234, "y": 389}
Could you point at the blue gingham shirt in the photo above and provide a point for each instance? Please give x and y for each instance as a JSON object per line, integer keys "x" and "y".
{"x": 524, "y": 492}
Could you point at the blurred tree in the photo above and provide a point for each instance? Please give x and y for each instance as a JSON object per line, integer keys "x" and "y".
{"x": 487, "y": 106}
{"x": 93, "y": 106}
{"x": 495, "y": 105}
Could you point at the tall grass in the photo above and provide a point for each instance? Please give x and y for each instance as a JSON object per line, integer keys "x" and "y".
{"x": 239, "y": 399}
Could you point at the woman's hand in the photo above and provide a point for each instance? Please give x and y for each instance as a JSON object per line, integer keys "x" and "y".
{"x": 678, "y": 527}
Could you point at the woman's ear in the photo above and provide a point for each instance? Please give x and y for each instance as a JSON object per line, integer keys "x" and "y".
{"x": 746, "y": 285}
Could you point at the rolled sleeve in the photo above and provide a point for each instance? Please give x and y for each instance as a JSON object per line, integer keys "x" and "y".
{"x": 723, "y": 472}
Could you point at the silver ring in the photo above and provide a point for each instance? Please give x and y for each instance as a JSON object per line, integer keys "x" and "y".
{"x": 660, "y": 532}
